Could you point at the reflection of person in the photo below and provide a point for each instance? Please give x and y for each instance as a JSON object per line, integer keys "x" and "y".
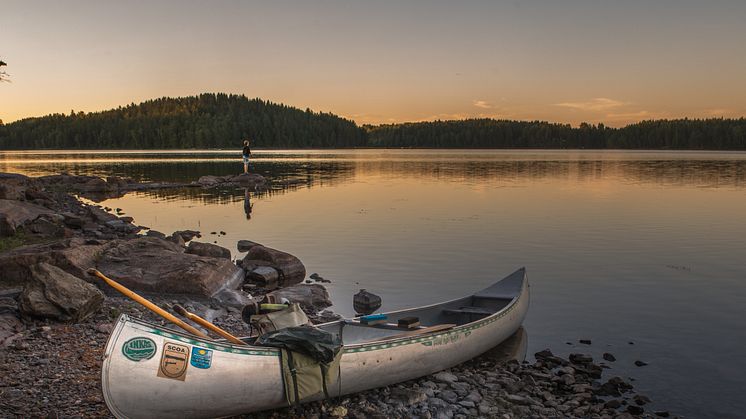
{"x": 247, "y": 205}
{"x": 246, "y": 155}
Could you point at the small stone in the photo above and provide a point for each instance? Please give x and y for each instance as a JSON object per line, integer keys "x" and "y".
{"x": 445, "y": 377}
{"x": 467, "y": 403}
{"x": 613, "y": 404}
{"x": 640, "y": 363}
{"x": 662, "y": 413}
{"x": 609, "y": 357}
{"x": 641, "y": 400}
{"x": 568, "y": 379}
{"x": 635, "y": 410}
{"x": 338, "y": 412}
{"x": 580, "y": 359}
{"x": 546, "y": 353}
{"x": 585, "y": 341}
{"x": 449, "y": 396}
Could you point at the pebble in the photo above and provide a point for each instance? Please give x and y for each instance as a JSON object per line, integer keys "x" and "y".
{"x": 609, "y": 357}
{"x": 446, "y": 377}
{"x": 640, "y": 363}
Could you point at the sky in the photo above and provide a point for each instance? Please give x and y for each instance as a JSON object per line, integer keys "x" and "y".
{"x": 568, "y": 61}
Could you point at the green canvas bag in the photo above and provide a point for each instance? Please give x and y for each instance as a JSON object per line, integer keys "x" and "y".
{"x": 277, "y": 320}
{"x": 305, "y": 378}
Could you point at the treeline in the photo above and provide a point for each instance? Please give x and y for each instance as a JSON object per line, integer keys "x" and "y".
{"x": 204, "y": 121}
{"x": 679, "y": 134}
{"x": 222, "y": 121}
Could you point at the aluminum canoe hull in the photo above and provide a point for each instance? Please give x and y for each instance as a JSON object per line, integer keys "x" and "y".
{"x": 244, "y": 379}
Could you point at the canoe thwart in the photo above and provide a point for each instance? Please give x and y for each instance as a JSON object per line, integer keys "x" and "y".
{"x": 469, "y": 310}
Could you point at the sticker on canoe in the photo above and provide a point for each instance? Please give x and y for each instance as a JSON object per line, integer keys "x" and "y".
{"x": 139, "y": 349}
{"x": 174, "y": 361}
{"x": 201, "y": 357}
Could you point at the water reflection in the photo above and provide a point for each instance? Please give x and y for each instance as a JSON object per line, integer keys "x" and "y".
{"x": 288, "y": 170}
{"x": 247, "y": 205}
{"x": 512, "y": 348}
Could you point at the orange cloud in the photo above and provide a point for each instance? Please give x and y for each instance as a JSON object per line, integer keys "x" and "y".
{"x": 598, "y": 104}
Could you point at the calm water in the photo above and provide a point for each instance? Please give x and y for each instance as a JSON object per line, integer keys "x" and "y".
{"x": 643, "y": 247}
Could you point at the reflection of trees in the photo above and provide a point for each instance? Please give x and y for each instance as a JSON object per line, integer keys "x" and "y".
{"x": 289, "y": 174}
{"x": 701, "y": 173}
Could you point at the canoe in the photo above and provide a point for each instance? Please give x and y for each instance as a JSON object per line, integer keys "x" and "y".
{"x": 153, "y": 371}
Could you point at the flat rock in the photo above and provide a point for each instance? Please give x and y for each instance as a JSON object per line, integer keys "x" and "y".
{"x": 151, "y": 264}
{"x": 208, "y": 249}
{"x": 14, "y": 213}
{"x": 54, "y": 293}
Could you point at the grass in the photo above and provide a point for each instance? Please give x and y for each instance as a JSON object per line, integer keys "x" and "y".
{"x": 17, "y": 240}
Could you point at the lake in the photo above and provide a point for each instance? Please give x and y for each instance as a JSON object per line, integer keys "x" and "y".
{"x": 642, "y": 252}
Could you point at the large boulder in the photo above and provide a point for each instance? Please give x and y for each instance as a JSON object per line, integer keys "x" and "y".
{"x": 151, "y": 264}
{"x": 291, "y": 270}
{"x": 14, "y": 186}
{"x": 75, "y": 256}
{"x": 208, "y": 249}
{"x": 309, "y": 296}
{"x": 14, "y": 213}
{"x": 54, "y": 293}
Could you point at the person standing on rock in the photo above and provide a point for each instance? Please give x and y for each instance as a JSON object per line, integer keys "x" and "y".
{"x": 246, "y": 155}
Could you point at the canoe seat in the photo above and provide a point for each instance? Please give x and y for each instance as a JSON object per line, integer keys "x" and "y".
{"x": 495, "y": 295}
{"x": 470, "y": 310}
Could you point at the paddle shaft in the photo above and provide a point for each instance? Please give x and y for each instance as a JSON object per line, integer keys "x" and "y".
{"x": 204, "y": 323}
{"x": 147, "y": 304}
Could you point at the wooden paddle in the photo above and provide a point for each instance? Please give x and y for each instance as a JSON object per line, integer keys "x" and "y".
{"x": 147, "y": 304}
{"x": 204, "y": 323}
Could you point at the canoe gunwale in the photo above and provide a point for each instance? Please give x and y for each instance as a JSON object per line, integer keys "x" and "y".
{"x": 226, "y": 346}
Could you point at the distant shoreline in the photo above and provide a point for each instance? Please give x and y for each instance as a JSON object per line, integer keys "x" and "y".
{"x": 210, "y": 121}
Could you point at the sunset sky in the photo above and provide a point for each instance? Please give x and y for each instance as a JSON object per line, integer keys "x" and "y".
{"x": 384, "y": 61}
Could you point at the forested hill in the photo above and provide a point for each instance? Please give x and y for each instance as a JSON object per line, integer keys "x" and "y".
{"x": 679, "y": 134}
{"x": 223, "y": 121}
{"x": 204, "y": 121}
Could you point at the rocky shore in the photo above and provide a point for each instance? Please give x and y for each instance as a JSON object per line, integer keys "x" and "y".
{"x": 55, "y": 319}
